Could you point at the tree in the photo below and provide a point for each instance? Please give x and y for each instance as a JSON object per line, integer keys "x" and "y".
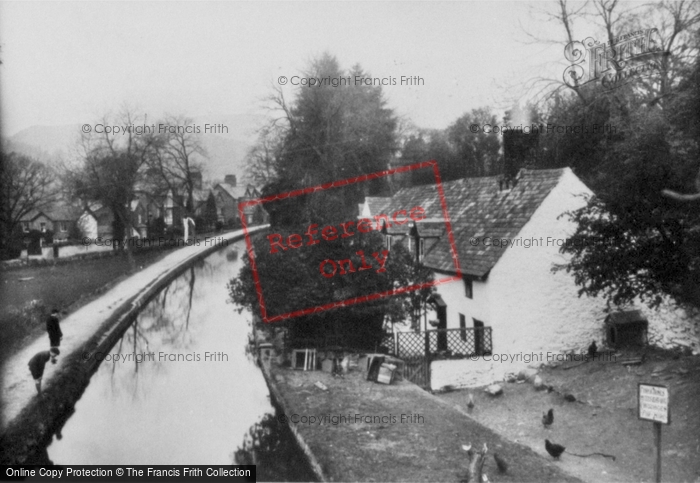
{"x": 328, "y": 134}
{"x": 631, "y": 241}
{"x": 638, "y": 236}
{"x": 427, "y": 145}
{"x": 292, "y": 281}
{"x": 325, "y": 134}
{"x": 210, "y": 214}
{"x": 477, "y": 152}
{"x": 110, "y": 170}
{"x": 262, "y": 158}
{"x": 177, "y": 155}
{"x": 27, "y": 185}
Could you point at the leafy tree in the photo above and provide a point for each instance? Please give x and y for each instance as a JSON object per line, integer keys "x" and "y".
{"x": 326, "y": 134}
{"x": 430, "y": 145}
{"x": 477, "y": 152}
{"x": 292, "y": 281}
{"x": 631, "y": 240}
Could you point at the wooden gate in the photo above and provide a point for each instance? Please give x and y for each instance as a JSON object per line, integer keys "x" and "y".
{"x": 417, "y": 370}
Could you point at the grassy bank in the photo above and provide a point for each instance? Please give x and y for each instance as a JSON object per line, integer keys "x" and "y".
{"x": 29, "y": 293}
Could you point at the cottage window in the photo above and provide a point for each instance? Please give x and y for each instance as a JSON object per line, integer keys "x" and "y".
{"x": 64, "y": 226}
{"x": 468, "y": 288}
{"x": 25, "y": 226}
{"x": 421, "y": 249}
{"x": 387, "y": 242}
{"x": 43, "y": 227}
{"x": 463, "y": 326}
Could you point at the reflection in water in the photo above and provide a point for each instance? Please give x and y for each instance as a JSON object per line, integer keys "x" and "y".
{"x": 178, "y": 387}
{"x": 271, "y": 446}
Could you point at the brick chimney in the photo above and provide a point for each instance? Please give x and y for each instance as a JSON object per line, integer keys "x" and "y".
{"x": 519, "y": 151}
{"x": 230, "y": 179}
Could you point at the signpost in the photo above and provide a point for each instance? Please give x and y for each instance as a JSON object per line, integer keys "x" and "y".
{"x": 654, "y": 405}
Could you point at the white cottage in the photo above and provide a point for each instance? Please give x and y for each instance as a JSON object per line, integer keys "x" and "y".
{"x": 509, "y": 310}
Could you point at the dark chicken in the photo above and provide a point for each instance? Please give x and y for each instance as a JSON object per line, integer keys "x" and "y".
{"x": 553, "y": 449}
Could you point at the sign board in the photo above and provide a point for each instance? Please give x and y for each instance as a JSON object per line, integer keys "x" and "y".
{"x": 654, "y": 402}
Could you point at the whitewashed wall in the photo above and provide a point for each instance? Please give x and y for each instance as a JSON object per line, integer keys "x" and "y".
{"x": 477, "y": 307}
{"x": 88, "y": 225}
{"x": 461, "y": 373}
{"x": 530, "y": 309}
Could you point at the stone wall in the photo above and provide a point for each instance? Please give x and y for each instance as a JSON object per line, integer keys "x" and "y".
{"x": 673, "y": 327}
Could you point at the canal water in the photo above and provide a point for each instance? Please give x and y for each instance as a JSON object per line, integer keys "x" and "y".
{"x": 180, "y": 387}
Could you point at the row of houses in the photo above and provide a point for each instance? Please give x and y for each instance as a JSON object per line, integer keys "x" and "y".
{"x": 96, "y": 220}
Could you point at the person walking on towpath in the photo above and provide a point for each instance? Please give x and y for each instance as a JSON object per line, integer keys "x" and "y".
{"x": 54, "y": 329}
{"x": 38, "y": 362}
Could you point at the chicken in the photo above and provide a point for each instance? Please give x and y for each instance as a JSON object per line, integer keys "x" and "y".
{"x": 592, "y": 350}
{"x": 470, "y": 403}
{"x": 553, "y": 449}
{"x": 548, "y": 418}
{"x": 501, "y": 463}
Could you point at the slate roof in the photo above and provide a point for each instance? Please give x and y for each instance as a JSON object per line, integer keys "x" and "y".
{"x": 239, "y": 191}
{"x": 55, "y": 213}
{"x": 477, "y": 208}
{"x": 376, "y": 203}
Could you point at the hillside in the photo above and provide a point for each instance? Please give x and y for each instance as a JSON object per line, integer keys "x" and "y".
{"x": 226, "y": 152}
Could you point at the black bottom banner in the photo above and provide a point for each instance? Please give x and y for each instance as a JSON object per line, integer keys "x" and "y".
{"x": 125, "y": 473}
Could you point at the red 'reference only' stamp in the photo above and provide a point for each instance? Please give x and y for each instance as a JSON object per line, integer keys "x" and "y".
{"x": 329, "y": 268}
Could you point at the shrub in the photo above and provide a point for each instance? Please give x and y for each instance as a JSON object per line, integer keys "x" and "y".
{"x": 15, "y": 244}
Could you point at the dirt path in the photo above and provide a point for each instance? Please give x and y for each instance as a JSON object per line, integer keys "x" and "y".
{"x": 419, "y": 439}
{"x": 604, "y": 419}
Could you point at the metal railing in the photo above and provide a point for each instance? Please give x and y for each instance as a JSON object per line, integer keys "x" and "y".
{"x": 465, "y": 342}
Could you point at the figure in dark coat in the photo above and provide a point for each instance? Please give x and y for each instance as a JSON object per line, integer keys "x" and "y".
{"x": 38, "y": 362}
{"x": 54, "y": 329}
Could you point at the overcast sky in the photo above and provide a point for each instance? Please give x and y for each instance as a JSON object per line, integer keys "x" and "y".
{"x": 70, "y": 62}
